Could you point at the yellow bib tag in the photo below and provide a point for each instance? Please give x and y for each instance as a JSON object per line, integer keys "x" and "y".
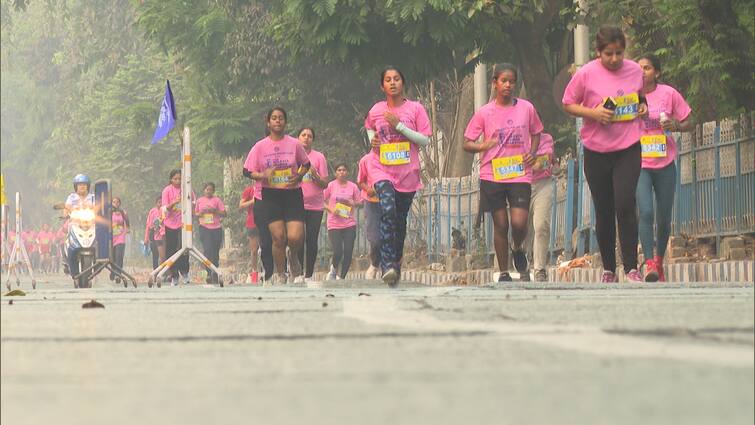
{"x": 508, "y": 167}
{"x": 394, "y": 153}
{"x": 626, "y": 107}
{"x": 280, "y": 178}
{"x": 306, "y": 178}
{"x": 653, "y": 146}
{"x": 207, "y": 218}
{"x": 117, "y": 230}
{"x": 343, "y": 210}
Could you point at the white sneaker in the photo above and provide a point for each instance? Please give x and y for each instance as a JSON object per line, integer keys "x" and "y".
{"x": 331, "y": 273}
{"x": 339, "y": 278}
{"x": 299, "y": 280}
{"x": 371, "y": 273}
{"x": 279, "y": 279}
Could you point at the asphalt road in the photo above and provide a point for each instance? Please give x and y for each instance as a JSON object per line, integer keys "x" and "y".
{"x": 363, "y": 354}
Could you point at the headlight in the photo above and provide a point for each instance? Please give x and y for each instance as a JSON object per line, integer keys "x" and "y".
{"x": 83, "y": 215}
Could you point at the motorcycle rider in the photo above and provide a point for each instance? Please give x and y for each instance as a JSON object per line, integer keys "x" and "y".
{"x": 80, "y": 198}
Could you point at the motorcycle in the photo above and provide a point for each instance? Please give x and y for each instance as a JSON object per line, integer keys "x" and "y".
{"x": 81, "y": 242}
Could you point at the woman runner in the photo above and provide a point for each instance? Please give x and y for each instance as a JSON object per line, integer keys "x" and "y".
{"x": 371, "y": 215}
{"x": 119, "y": 226}
{"x": 210, "y": 211}
{"x": 154, "y": 232}
{"x": 278, "y": 162}
{"x": 312, "y": 186}
{"x": 397, "y": 127}
{"x": 667, "y": 112}
{"x": 607, "y": 93}
{"x": 171, "y": 202}
{"x": 341, "y": 200}
{"x": 511, "y": 131}
{"x": 252, "y": 232}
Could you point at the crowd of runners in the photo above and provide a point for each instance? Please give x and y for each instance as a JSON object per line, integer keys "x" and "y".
{"x": 629, "y": 152}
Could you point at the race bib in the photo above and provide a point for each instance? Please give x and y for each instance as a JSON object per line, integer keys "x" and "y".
{"x": 626, "y": 107}
{"x": 207, "y": 218}
{"x": 307, "y": 178}
{"x": 654, "y": 146}
{"x": 394, "y": 153}
{"x": 280, "y": 178}
{"x": 343, "y": 210}
{"x": 117, "y": 230}
{"x": 508, "y": 167}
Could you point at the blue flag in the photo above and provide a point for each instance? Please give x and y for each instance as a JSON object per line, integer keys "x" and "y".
{"x": 167, "y": 118}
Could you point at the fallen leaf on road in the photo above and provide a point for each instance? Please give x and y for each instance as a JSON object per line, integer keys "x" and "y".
{"x": 324, "y": 304}
{"x": 15, "y": 293}
{"x": 10, "y": 302}
{"x": 92, "y": 304}
{"x": 364, "y": 294}
{"x": 329, "y": 296}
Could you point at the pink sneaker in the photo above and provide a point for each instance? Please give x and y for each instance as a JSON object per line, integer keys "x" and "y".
{"x": 651, "y": 271}
{"x": 608, "y": 277}
{"x": 634, "y": 276}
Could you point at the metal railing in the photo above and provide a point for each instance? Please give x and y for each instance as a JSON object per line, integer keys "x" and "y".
{"x": 715, "y": 197}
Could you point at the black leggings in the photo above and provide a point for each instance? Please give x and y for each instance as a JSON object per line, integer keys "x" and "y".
{"x": 119, "y": 251}
{"x": 312, "y": 221}
{"x": 612, "y": 177}
{"x": 342, "y": 243}
{"x": 172, "y": 245}
{"x": 266, "y": 242}
{"x": 155, "y": 253}
{"x": 212, "y": 240}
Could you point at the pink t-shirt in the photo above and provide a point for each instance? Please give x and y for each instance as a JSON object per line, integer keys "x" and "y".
{"x": 119, "y": 228}
{"x": 365, "y": 177}
{"x": 590, "y": 87}
{"x": 172, "y": 219}
{"x": 313, "y": 197}
{"x": 152, "y": 217}
{"x": 513, "y": 126}
{"x": 544, "y": 157}
{"x": 659, "y": 150}
{"x": 394, "y": 165}
{"x": 285, "y": 156}
{"x": 45, "y": 241}
{"x": 247, "y": 196}
{"x": 335, "y": 194}
{"x": 209, "y": 220}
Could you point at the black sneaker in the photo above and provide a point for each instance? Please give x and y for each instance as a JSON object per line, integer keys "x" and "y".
{"x": 541, "y": 276}
{"x": 390, "y": 278}
{"x": 505, "y": 277}
{"x": 524, "y": 277}
{"x": 520, "y": 261}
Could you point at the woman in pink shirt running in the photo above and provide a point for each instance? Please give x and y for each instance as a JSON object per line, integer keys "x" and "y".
{"x": 607, "y": 94}
{"x": 120, "y": 227}
{"x": 312, "y": 185}
{"x": 397, "y": 128}
{"x": 341, "y": 199}
{"x": 278, "y": 163}
{"x": 171, "y": 202}
{"x": 210, "y": 210}
{"x": 511, "y": 129}
{"x": 667, "y": 112}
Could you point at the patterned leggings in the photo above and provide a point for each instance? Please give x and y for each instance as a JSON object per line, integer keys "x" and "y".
{"x": 394, "y": 207}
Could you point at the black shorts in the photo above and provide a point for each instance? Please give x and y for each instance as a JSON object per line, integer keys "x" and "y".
{"x": 253, "y": 232}
{"x": 494, "y": 196}
{"x": 279, "y": 204}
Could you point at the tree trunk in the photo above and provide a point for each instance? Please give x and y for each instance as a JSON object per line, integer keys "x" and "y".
{"x": 457, "y": 162}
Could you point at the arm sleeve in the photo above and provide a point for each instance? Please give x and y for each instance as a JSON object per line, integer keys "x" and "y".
{"x": 414, "y": 136}
{"x": 536, "y": 126}
{"x": 575, "y": 90}
{"x": 475, "y": 127}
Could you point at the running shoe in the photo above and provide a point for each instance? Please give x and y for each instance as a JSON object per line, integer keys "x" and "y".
{"x": 634, "y": 276}
{"x": 279, "y": 279}
{"x": 504, "y": 277}
{"x": 541, "y": 276}
{"x": 608, "y": 277}
{"x": 254, "y": 278}
{"x": 299, "y": 280}
{"x": 371, "y": 273}
{"x": 659, "y": 266}
{"x": 390, "y": 278}
{"x": 331, "y": 273}
{"x": 525, "y": 277}
{"x": 520, "y": 261}
{"x": 651, "y": 271}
